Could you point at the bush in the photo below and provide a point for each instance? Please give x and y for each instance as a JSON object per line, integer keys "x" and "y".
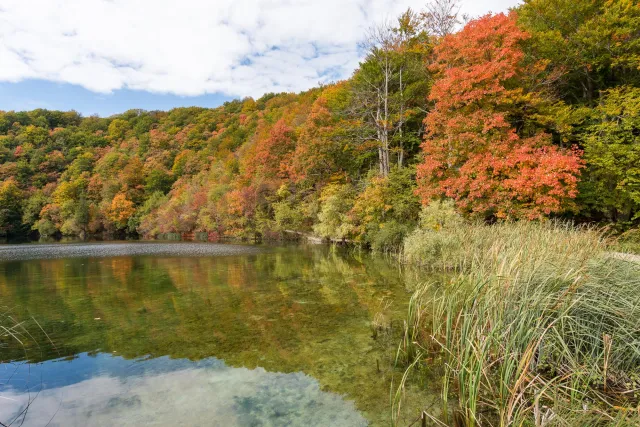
{"x": 426, "y": 246}
{"x": 287, "y": 213}
{"x": 385, "y": 210}
{"x": 46, "y": 228}
{"x": 440, "y": 214}
{"x": 388, "y": 237}
{"x": 333, "y": 222}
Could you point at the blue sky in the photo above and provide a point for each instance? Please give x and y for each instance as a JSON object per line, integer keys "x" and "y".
{"x": 31, "y": 94}
{"x": 107, "y": 56}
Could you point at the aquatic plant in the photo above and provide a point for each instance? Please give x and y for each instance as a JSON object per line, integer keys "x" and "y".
{"x": 536, "y": 325}
{"x": 16, "y": 334}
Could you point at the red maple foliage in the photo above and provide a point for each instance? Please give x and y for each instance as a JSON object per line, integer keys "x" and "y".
{"x": 472, "y": 153}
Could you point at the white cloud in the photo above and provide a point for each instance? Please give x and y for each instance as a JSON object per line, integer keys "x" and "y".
{"x": 186, "y": 397}
{"x": 192, "y": 47}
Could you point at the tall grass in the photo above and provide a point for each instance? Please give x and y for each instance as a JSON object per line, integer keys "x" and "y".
{"x": 16, "y": 341}
{"x": 536, "y": 324}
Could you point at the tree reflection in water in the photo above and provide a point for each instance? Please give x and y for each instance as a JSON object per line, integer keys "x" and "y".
{"x": 285, "y": 310}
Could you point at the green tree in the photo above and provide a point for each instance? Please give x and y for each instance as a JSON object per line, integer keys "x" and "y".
{"x": 591, "y": 45}
{"x": 33, "y": 206}
{"x": 118, "y": 129}
{"x": 611, "y": 186}
{"x": 82, "y": 215}
{"x": 10, "y": 207}
{"x": 333, "y": 220}
{"x": 389, "y": 90}
{"x": 158, "y": 181}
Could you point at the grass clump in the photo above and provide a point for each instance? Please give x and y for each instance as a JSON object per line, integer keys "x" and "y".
{"x": 535, "y": 325}
{"x": 629, "y": 241}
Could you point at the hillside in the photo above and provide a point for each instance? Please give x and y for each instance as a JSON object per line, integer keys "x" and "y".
{"x": 512, "y": 117}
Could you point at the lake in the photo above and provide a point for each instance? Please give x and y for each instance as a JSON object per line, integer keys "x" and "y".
{"x": 200, "y": 334}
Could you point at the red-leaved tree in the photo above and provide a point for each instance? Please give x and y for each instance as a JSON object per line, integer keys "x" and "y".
{"x": 472, "y": 153}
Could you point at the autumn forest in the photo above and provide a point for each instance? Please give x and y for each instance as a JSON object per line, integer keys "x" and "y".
{"x": 527, "y": 115}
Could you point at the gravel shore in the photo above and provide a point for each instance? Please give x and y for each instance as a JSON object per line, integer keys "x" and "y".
{"x": 100, "y": 249}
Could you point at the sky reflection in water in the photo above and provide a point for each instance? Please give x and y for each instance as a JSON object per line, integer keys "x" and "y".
{"x": 105, "y": 390}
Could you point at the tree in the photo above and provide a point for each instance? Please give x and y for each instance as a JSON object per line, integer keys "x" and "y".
{"x": 591, "y": 45}
{"x": 120, "y": 210}
{"x": 287, "y": 214}
{"x": 386, "y": 209}
{"x": 336, "y": 202}
{"x": 380, "y": 96}
{"x": 472, "y": 153}
{"x": 441, "y": 17}
{"x": 274, "y": 152}
{"x": 158, "y": 180}
{"x": 324, "y": 147}
{"x": 118, "y": 129}
{"x": 10, "y": 207}
{"x": 612, "y": 150}
{"x": 82, "y": 215}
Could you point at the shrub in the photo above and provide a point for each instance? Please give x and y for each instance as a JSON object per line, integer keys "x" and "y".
{"x": 336, "y": 201}
{"x": 388, "y": 237}
{"x": 440, "y": 214}
{"x": 426, "y": 246}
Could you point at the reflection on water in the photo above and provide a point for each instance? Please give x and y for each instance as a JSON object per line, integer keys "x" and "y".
{"x": 163, "y": 391}
{"x": 280, "y": 310}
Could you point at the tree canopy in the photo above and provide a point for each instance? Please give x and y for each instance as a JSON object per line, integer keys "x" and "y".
{"x": 525, "y": 115}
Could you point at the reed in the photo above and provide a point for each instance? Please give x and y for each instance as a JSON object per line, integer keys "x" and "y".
{"x": 536, "y": 324}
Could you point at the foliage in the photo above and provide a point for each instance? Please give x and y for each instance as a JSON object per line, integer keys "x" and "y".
{"x": 10, "y": 207}
{"x": 612, "y": 150}
{"x": 440, "y": 214}
{"x": 287, "y": 214}
{"x": 385, "y": 210}
{"x": 510, "y": 102}
{"x": 472, "y": 153}
{"x": 590, "y": 46}
{"x": 389, "y": 90}
{"x": 120, "y": 210}
{"x": 336, "y": 202}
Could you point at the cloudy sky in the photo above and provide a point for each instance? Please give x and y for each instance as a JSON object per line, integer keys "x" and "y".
{"x": 106, "y": 56}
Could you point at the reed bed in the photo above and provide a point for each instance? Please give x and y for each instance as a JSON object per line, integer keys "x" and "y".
{"x": 535, "y": 325}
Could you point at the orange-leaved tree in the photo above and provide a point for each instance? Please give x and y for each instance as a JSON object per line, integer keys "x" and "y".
{"x": 120, "y": 210}
{"x": 473, "y": 152}
{"x": 273, "y": 153}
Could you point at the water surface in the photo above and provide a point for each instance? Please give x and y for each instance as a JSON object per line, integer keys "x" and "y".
{"x": 198, "y": 334}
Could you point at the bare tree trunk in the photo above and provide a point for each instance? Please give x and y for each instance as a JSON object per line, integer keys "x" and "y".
{"x": 401, "y": 147}
{"x": 384, "y": 142}
{"x": 380, "y": 136}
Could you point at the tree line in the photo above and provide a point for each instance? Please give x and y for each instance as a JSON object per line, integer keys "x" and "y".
{"x": 526, "y": 115}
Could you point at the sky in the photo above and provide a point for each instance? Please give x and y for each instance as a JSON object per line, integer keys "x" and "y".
{"x": 107, "y": 56}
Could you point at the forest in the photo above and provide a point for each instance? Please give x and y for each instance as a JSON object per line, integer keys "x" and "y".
{"x": 528, "y": 115}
